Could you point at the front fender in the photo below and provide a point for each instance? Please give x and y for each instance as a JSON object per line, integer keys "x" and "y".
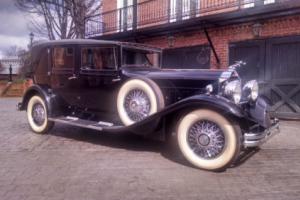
{"x": 211, "y": 101}
{"x": 218, "y": 103}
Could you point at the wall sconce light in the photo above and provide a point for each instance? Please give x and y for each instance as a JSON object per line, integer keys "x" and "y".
{"x": 171, "y": 40}
{"x": 257, "y": 29}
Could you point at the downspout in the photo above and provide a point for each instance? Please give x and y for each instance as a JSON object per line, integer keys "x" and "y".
{"x": 212, "y": 46}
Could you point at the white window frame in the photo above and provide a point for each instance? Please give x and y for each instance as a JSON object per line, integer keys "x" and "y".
{"x": 266, "y": 2}
{"x": 129, "y": 19}
{"x": 186, "y": 9}
{"x": 173, "y": 9}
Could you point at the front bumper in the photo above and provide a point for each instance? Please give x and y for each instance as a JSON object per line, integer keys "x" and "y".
{"x": 256, "y": 138}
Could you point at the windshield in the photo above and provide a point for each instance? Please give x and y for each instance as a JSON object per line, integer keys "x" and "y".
{"x": 135, "y": 57}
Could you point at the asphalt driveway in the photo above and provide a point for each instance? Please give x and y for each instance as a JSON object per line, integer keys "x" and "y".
{"x": 74, "y": 163}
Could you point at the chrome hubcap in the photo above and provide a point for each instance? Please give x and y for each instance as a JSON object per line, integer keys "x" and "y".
{"x": 137, "y": 105}
{"x": 203, "y": 140}
{"x": 38, "y": 114}
{"x": 206, "y": 139}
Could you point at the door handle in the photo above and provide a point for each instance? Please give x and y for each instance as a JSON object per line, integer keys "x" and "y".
{"x": 116, "y": 80}
{"x": 72, "y": 77}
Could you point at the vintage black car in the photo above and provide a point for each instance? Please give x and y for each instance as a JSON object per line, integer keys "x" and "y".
{"x": 116, "y": 86}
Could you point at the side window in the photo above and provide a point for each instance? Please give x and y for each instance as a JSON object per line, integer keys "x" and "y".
{"x": 98, "y": 58}
{"x": 63, "y": 58}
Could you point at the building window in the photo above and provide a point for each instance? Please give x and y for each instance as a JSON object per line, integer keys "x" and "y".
{"x": 248, "y": 3}
{"x": 125, "y": 15}
{"x": 269, "y": 2}
{"x": 186, "y": 9}
{"x": 183, "y": 9}
{"x": 253, "y": 3}
{"x": 173, "y": 10}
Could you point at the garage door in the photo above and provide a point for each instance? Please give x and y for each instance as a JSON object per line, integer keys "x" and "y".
{"x": 276, "y": 64}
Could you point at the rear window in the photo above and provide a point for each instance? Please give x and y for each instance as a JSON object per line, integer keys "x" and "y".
{"x": 63, "y": 58}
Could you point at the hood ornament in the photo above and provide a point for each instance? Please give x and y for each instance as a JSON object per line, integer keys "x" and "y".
{"x": 237, "y": 65}
{"x": 231, "y": 72}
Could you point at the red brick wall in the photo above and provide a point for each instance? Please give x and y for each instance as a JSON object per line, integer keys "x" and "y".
{"x": 110, "y": 18}
{"x": 109, "y": 5}
{"x": 221, "y": 37}
{"x": 155, "y": 12}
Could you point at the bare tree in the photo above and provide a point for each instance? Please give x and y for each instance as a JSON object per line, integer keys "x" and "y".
{"x": 13, "y": 51}
{"x": 61, "y": 18}
{"x": 25, "y": 62}
{"x": 48, "y": 18}
{"x": 81, "y": 10}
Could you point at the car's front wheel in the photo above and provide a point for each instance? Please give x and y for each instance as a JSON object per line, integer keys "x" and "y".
{"x": 208, "y": 140}
{"x": 37, "y": 115}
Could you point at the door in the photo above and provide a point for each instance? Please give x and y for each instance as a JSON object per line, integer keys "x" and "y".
{"x": 283, "y": 76}
{"x": 99, "y": 78}
{"x": 275, "y": 63}
{"x": 127, "y": 16}
{"x": 63, "y": 79}
{"x": 182, "y": 9}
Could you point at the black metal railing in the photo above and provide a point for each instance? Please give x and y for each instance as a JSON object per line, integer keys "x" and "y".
{"x": 156, "y": 12}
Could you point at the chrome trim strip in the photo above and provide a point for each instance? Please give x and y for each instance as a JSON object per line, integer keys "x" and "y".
{"x": 105, "y": 123}
{"x": 90, "y": 126}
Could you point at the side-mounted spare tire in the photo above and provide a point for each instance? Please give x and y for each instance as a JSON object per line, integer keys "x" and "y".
{"x": 137, "y": 99}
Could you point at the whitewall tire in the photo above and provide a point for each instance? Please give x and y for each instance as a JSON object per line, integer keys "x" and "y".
{"x": 138, "y": 99}
{"x": 208, "y": 140}
{"x": 37, "y": 115}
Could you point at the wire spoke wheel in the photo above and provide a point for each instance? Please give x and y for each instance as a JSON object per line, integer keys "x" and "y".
{"x": 137, "y": 105}
{"x": 38, "y": 114}
{"x": 206, "y": 139}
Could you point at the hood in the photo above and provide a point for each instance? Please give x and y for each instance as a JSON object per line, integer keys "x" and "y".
{"x": 173, "y": 74}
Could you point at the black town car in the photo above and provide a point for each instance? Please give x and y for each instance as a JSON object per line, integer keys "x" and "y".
{"x": 116, "y": 86}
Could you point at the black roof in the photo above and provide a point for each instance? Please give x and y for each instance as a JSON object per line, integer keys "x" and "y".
{"x": 39, "y": 47}
{"x": 43, "y": 44}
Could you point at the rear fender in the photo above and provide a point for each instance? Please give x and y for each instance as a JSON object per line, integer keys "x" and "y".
{"x": 50, "y": 99}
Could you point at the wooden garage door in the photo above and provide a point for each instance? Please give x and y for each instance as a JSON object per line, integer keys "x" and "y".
{"x": 278, "y": 60}
{"x": 283, "y": 76}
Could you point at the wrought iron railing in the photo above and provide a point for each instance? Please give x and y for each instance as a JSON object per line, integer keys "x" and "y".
{"x": 156, "y": 12}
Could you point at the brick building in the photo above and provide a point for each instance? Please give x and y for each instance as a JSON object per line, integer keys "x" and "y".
{"x": 214, "y": 34}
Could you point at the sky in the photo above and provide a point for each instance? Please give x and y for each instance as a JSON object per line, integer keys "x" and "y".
{"x": 13, "y": 26}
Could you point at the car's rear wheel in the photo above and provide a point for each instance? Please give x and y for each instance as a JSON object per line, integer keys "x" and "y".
{"x": 138, "y": 99}
{"x": 37, "y": 115}
{"x": 208, "y": 140}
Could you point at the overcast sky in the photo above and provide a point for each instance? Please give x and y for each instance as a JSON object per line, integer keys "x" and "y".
{"x": 13, "y": 26}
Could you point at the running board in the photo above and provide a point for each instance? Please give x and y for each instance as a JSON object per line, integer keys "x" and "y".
{"x": 74, "y": 121}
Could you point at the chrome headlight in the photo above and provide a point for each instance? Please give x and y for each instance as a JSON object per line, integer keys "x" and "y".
{"x": 233, "y": 91}
{"x": 251, "y": 90}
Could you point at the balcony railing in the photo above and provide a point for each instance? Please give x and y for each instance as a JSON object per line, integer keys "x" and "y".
{"x": 158, "y": 12}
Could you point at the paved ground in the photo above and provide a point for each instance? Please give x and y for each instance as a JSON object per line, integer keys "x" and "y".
{"x": 73, "y": 163}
